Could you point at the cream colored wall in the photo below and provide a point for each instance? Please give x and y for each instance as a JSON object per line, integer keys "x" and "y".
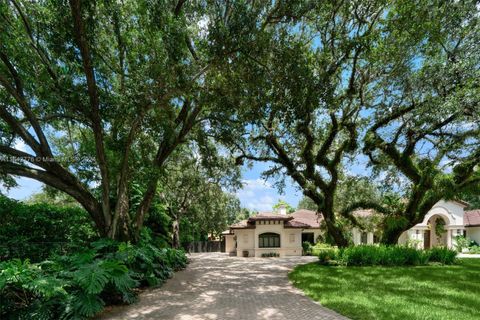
{"x": 317, "y": 232}
{"x": 357, "y": 237}
{"x": 290, "y": 239}
{"x": 474, "y": 233}
{"x": 245, "y": 241}
{"x": 229, "y": 243}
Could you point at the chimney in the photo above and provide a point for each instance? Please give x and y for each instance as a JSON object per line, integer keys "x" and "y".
{"x": 282, "y": 209}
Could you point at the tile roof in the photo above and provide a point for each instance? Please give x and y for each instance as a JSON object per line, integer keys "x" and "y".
{"x": 299, "y": 219}
{"x": 471, "y": 218}
{"x": 241, "y": 225}
{"x": 307, "y": 217}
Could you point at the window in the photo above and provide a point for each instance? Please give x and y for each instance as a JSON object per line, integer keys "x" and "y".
{"x": 269, "y": 240}
{"x": 363, "y": 239}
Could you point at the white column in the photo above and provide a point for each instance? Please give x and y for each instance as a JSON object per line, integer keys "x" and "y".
{"x": 370, "y": 238}
{"x": 449, "y": 238}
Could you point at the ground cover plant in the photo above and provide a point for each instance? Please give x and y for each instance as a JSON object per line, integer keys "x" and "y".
{"x": 79, "y": 285}
{"x": 378, "y": 292}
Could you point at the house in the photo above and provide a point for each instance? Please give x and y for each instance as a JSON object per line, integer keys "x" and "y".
{"x": 283, "y": 234}
{"x": 269, "y": 232}
{"x": 443, "y": 223}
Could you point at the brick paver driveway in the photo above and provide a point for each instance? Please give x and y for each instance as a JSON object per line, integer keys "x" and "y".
{"x": 218, "y": 287}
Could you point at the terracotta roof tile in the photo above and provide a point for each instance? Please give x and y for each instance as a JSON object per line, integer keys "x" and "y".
{"x": 306, "y": 217}
{"x": 471, "y": 218}
{"x": 240, "y": 225}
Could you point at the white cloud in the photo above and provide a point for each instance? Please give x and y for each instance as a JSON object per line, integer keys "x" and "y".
{"x": 257, "y": 194}
{"x": 20, "y": 145}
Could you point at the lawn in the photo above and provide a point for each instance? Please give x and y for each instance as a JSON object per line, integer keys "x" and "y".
{"x": 428, "y": 292}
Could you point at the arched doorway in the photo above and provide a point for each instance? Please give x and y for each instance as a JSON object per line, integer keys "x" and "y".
{"x": 437, "y": 233}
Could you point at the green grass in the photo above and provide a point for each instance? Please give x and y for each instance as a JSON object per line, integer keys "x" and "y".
{"x": 428, "y": 292}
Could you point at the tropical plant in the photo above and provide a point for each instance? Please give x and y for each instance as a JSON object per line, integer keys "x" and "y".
{"x": 79, "y": 285}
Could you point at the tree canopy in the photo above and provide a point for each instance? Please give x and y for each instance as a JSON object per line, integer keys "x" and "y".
{"x": 103, "y": 100}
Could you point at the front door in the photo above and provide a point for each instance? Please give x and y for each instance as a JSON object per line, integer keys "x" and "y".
{"x": 426, "y": 239}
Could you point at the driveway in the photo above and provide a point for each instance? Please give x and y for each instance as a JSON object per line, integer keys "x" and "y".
{"x": 216, "y": 286}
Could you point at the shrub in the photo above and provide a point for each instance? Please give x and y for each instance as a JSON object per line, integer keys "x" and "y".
{"x": 39, "y": 230}
{"x": 79, "y": 285}
{"x": 442, "y": 255}
{"x": 326, "y": 255}
{"x": 307, "y": 248}
{"x": 320, "y": 246}
{"x": 474, "y": 250}
{"x": 369, "y": 255}
{"x": 462, "y": 243}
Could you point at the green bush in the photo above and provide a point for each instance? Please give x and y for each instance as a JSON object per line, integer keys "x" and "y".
{"x": 462, "y": 243}
{"x": 318, "y": 247}
{"x": 370, "y": 255}
{"x": 474, "y": 250}
{"x": 442, "y": 255}
{"x": 79, "y": 285}
{"x": 307, "y": 248}
{"x": 326, "y": 255}
{"x": 39, "y": 230}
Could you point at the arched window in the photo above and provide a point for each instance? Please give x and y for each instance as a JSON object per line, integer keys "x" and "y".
{"x": 269, "y": 240}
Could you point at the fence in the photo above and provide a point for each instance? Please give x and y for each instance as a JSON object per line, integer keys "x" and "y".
{"x": 204, "y": 246}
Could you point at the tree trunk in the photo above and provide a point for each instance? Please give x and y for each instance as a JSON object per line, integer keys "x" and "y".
{"x": 176, "y": 233}
{"x": 335, "y": 232}
{"x": 391, "y": 236}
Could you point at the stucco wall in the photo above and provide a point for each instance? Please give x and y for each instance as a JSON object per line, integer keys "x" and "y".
{"x": 290, "y": 239}
{"x": 474, "y": 233}
{"x": 229, "y": 243}
{"x": 245, "y": 241}
{"x": 357, "y": 237}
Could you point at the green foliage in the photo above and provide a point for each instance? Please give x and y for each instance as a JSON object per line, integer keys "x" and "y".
{"x": 474, "y": 250}
{"x": 35, "y": 231}
{"x": 320, "y": 246}
{"x": 79, "y": 285}
{"x": 442, "y": 255}
{"x": 370, "y": 255}
{"x": 326, "y": 255}
{"x": 462, "y": 243}
{"x": 307, "y": 248}
{"x": 289, "y": 208}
